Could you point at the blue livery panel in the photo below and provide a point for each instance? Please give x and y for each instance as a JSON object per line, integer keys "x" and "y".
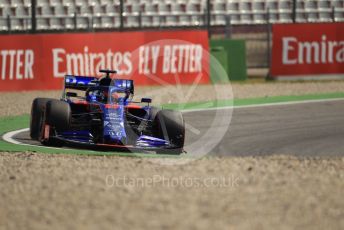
{"x": 113, "y": 127}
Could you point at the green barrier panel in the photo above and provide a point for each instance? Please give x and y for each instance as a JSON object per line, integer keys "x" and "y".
{"x": 231, "y": 54}
{"x": 220, "y": 54}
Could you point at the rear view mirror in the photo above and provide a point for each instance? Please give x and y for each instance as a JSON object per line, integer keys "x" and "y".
{"x": 146, "y": 100}
{"x": 71, "y": 94}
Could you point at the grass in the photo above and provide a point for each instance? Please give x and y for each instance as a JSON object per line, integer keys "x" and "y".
{"x": 8, "y": 124}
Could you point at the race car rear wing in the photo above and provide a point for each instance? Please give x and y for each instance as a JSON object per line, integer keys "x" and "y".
{"x": 79, "y": 82}
{"x": 124, "y": 84}
{"x": 84, "y": 82}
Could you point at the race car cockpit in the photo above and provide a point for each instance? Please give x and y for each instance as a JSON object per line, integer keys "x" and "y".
{"x": 107, "y": 95}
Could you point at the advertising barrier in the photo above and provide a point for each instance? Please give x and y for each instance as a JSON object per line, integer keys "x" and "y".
{"x": 308, "y": 51}
{"x": 39, "y": 62}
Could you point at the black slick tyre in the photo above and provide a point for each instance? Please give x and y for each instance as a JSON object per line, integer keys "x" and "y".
{"x": 37, "y": 116}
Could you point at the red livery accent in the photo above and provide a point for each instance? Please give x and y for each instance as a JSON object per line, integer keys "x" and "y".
{"x": 80, "y": 102}
{"x": 111, "y": 106}
{"x": 46, "y": 132}
{"x": 133, "y": 106}
{"x": 116, "y": 146}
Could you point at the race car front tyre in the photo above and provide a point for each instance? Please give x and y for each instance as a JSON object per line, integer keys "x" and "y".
{"x": 171, "y": 127}
{"x": 36, "y": 119}
{"x": 153, "y": 112}
{"x": 58, "y": 115}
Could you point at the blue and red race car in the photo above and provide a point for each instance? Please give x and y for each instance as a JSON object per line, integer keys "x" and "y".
{"x": 101, "y": 113}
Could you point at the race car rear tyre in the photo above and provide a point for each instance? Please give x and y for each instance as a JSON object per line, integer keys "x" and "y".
{"x": 171, "y": 127}
{"x": 36, "y": 119}
{"x": 58, "y": 115}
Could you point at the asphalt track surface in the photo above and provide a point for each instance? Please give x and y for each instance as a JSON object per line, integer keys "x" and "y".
{"x": 308, "y": 129}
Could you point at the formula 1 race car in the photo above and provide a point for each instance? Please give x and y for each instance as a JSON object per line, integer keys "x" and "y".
{"x": 100, "y": 112}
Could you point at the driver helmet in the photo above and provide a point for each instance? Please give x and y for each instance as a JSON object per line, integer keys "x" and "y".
{"x": 116, "y": 96}
{"x": 98, "y": 95}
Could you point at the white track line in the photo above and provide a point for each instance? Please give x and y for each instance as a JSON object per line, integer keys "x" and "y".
{"x": 8, "y": 137}
{"x": 263, "y": 105}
